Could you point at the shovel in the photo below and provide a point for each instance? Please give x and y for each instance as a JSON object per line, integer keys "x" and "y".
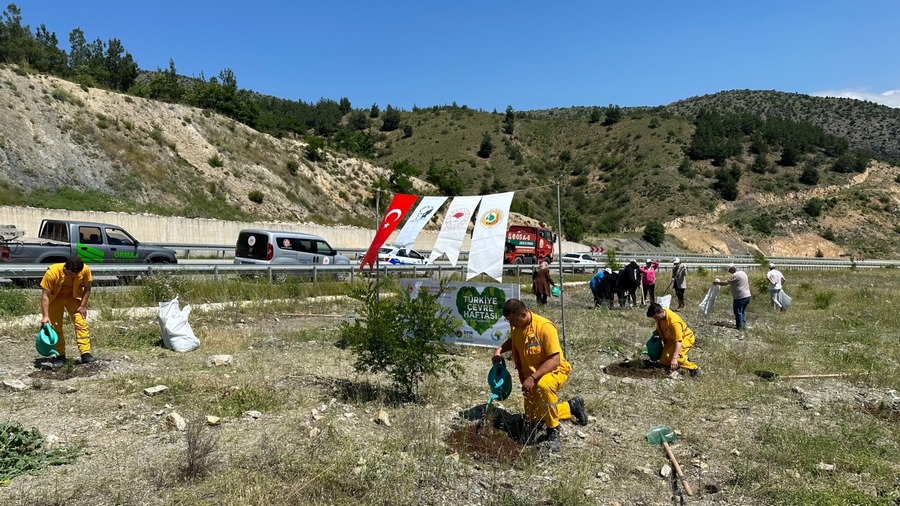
{"x": 771, "y": 375}
{"x": 663, "y": 434}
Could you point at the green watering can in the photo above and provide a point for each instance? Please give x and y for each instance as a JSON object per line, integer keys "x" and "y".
{"x": 654, "y": 347}
{"x": 46, "y": 340}
{"x": 499, "y": 382}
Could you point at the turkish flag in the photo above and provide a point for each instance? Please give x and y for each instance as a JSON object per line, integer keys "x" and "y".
{"x": 398, "y": 208}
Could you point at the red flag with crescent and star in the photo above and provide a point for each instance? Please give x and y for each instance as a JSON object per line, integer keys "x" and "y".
{"x": 399, "y": 207}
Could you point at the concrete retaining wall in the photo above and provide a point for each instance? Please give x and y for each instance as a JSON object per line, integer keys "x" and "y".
{"x": 164, "y": 229}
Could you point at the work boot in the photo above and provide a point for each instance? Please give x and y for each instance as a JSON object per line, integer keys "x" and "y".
{"x": 552, "y": 440}
{"x": 694, "y": 373}
{"x": 576, "y": 406}
{"x": 58, "y": 361}
{"x": 87, "y": 358}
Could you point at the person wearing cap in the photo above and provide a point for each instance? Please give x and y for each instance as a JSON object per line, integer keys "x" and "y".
{"x": 596, "y": 287}
{"x": 679, "y": 281}
{"x": 648, "y": 279}
{"x": 543, "y": 370}
{"x": 776, "y": 279}
{"x": 677, "y": 339}
{"x": 740, "y": 292}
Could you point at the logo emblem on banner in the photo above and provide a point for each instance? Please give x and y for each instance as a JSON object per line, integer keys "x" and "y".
{"x": 492, "y": 218}
{"x": 480, "y": 310}
{"x": 458, "y": 218}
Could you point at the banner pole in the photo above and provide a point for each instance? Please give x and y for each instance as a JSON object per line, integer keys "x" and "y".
{"x": 377, "y": 224}
{"x": 562, "y": 293}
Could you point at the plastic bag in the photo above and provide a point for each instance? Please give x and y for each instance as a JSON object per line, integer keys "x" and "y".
{"x": 707, "y": 303}
{"x": 177, "y": 334}
{"x": 664, "y": 301}
{"x": 783, "y": 301}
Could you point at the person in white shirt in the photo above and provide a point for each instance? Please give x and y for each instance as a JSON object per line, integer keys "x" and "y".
{"x": 776, "y": 279}
{"x": 740, "y": 292}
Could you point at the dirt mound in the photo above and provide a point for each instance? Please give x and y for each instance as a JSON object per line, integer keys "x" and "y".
{"x": 643, "y": 369}
{"x": 64, "y": 372}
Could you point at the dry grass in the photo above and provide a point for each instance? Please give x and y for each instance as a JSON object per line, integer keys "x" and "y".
{"x": 744, "y": 440}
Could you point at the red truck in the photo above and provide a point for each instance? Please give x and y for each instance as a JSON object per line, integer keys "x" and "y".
{"x": 528, "y": 245}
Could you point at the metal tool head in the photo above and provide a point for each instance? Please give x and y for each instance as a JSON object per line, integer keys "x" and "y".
{"x": 660, "y": 434}
{"x": 769, "y": 375}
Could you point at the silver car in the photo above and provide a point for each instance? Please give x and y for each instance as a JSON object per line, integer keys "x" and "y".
{"x": 275, "y": 247}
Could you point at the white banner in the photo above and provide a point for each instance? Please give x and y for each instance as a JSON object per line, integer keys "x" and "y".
{"x": 417, "y": 221}
{"x": 479, "y": 306}
{"x": 454, "y": 228}
{"x": 489, "y": 236}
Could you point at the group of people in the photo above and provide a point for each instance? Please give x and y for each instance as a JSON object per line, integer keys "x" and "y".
{"x": 623, "y": 285}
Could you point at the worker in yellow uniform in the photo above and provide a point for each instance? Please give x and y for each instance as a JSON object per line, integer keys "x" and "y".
{"x": 677, "y": 339}
{"x": 542, "y": 369}
{"x": 68, "y": 286}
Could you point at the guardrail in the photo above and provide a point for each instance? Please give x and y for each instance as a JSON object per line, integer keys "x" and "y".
{"x": 317, "y": 272}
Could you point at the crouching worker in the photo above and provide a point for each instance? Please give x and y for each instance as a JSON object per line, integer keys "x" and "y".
{"x": 543, "y": 370}
{"x": 677, "y": 339}
{"x": 68, "y": 286}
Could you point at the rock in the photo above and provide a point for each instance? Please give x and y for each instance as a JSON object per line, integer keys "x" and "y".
{"x": 580, "y": 434}
{"x": 219, "y": 360}
{"x": 152, "y": 391}
{"x": 213, "y": 420}
{"x": 736, "y": 452}
{"x": 382, "y": 418}
{"x": 176, "y": 421}
{"x": 826, "y": 467}
{"x": 67, "y": 389}
{"x": 254, "y": 415}
{"x": 628, "y": 381}
{"x": 160, "y": 413}
{"x": 314, "y": 432}
{"x": 51, "y": 440}
{"x": 588, "y": 492}
{"x": 604, "y": 477}
{"x": 358, "y": 470}
{"x": 349, "y": 414}
{"x": 14, "y": 385}
{"x": 665, "y": 471}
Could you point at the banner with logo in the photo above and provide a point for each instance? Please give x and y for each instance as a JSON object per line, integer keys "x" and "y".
{"x": 454, "y": 228}
{"x": 417, "y": 221}
{"x": 399, "y": 206}
{"x": 479, "y": 306}
{"x": 489, "y": 236}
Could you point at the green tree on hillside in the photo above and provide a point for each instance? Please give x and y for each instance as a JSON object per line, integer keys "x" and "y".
{"x": 400, "y": 180}
{"x": 446, "y": 179}
{"x": 487, "y": 146}
{"x": 509, "y": 122}
{"x": 613, "y": 115}
{"x": 374, "y": 112}
{"x": 809, "y": 175}
{"x": 595, "y": 116}
{"x": 726, "y": 182}
{"x": 344, "y": 105}
{"x": 654, "y": 233}
{"x": 391, "y": 119}
{"x": 358, "y": 120}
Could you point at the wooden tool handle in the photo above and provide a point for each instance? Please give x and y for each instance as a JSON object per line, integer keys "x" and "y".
{"x": 804, "y": 376}
{"x": 678, "y": 471}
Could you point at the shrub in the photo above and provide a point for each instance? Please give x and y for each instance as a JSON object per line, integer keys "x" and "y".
{"x": 22, "y": 451}
{"x": 701, "y": 271}
{"x": 813, "y": 207}
{"x": 256, "y": 196}
{"x": 216, "y": 161}
{"x": 293, "y": 167}
{"x": 401, "y": 336}
{"x": 13, "y": 302}
{"x": 821, "y": 300}
{"x": 199, "y": 456}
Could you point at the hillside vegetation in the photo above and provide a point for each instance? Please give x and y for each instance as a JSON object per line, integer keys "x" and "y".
{"x": 733, "y": 172}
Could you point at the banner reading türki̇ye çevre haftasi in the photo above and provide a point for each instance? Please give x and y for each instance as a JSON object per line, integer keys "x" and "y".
{"x": 478, "y": 307}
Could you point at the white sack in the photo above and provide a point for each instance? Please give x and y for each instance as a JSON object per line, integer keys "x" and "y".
{"x": 664, "y": 301}
{"x": 706, "y": 304}
{"x": 783, "y": 301}
{"x": 177, "y": 334}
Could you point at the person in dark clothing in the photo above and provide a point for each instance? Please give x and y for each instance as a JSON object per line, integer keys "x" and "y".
{"x": 628, "y": 283}
{"x": 541, "y": 283}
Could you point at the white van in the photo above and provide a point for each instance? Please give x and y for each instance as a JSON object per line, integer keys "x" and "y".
{"x": 274, "y": 247}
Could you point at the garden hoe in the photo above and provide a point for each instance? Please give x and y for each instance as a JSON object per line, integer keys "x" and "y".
{"x": 663, "y": 434}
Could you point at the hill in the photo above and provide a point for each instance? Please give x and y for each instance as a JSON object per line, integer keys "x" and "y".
{"x": 71, "y": 146}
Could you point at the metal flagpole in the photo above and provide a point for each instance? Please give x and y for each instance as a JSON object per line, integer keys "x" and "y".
{"x": 377, "y": 224}
{"x": 562, "y": 293}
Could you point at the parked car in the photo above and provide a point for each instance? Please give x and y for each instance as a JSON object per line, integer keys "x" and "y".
{"x": 274, "y": 247}
{"x": 401, "y": 256}
{"x": 578, "y": 262}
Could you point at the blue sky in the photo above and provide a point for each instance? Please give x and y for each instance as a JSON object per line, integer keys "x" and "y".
{"x": 490, "y": 54}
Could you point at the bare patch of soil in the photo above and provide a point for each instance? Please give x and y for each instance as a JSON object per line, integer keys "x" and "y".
{"x": 882, "y": 410}
{"x": 65, "y": 372}
{"x": 484, "y": 443}
{"x": 643, "y": 369}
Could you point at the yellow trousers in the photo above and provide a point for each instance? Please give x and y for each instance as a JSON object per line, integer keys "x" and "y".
{"x": 683, "y": 362}
{"x": 82, "y": 335}
{"x": 542, "y": 403}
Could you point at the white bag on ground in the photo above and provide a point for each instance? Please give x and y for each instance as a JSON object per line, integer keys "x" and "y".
{"x": 664, "y": 301}
{"x": 706, "y": 304}
{"x": 177, "y": 334}
{"x": 783, "y": 301}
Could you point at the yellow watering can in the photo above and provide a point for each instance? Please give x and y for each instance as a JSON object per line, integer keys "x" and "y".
{"x": 46, "y": 340}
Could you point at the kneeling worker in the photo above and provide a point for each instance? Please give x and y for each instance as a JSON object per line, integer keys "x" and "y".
{"x": 677, "y": 339}
{"x": 68, "y": 286}
{"x": 543, "y": 370}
